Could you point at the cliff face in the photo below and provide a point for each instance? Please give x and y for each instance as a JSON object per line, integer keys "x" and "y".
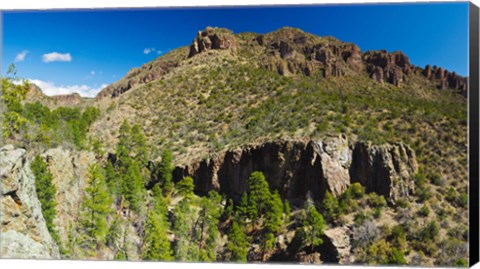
{"x": 23, "y": 232}
{"x": 69, "y": 175}
{"x": 299, "y": 168}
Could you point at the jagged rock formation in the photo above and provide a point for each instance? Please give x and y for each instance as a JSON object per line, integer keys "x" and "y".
{"x": 393, "y": 68}
{"x": 213, "y": 39}
{"x": 299, "y": 168}
{"x": 290, "y": 51}
{"x": 23, "y": 232}
{"x": 445, "y": 79}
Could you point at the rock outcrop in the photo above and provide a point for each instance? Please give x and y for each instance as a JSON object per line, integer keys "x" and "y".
{"x": 292, "y": 51}
{"x": 213, "y": 39}
{"x": 393, "y": 68}
{"x": 68, "y": 99}
{"x": 386, "y": 170}
{"x": 23, "y": 233}
{"x": 301, "y": 168}
{"x": 69, "y": 171}
{"x": 445, "y": 79}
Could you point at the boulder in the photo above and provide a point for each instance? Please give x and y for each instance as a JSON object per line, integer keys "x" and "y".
{"x": 337, "y": 240}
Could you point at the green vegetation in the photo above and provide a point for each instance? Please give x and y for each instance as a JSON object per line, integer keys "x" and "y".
{"x": 156, "y": 244}
{"x": 46, "y": 192}
{"x": 312, "y": 228}
{"x": 94, "y": 210}
{"x": 222, "y": 102}
{"x": 237, "y": 244}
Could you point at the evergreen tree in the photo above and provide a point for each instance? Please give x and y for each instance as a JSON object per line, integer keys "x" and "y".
{"x": 237, "y": 244}
{"x": 330, "y": 206}
{"x": 166, "y": 169}
{"x": 273, "y": 214}
{"x": 186, "y": 186}
{"x": 206, "y": 232}
{"x": 133, "y": 187}
{"x": 242, "y": 209}
{"x": 46, "y": 192}
{"x": 139, "y": 144}
{"x": 159, "y": 202}
{"x": 313, "y": 226}
{"x": 111, "y": 178}
{"x": 156, "y": 244}
{"x": 95, "y": 208}
{"x": 182, "y": 226}
{"x": 258, "y": 195}
{"x": 114, "y": 234}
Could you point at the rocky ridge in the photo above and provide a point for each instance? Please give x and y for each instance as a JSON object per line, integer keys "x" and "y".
{"x": 290, "y": 51}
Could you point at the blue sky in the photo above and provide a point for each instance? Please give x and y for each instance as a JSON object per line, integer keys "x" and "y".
{"x": 82, "y": 51}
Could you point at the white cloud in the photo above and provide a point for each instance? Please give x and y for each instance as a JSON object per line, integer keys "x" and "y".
{"x": 159, "y": 52}
{"x": 92, "y": 72}
{"x": 148, "y": 50}
{"x": 50, "y": 89}
{"x": 21, "y": 56}
{"x": 56, "y": 57}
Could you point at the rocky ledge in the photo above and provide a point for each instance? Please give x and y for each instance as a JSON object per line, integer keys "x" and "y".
{"x": 301, "y": 168}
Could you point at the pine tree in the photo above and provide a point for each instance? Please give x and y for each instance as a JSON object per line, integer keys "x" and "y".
{"x": 242, "y": 208}
{"x": 182, "y": 226}
{"x": 159, "y": 202}
{"x": 273, "y": 214}
{"x": 330, "y": 206}
{"x": 156, "y": 246}
{"x": 95, "y": 208}
{"x": 206, "y": 233}
{"x": 258, "y": 195}
{"x": 237, "y": 244}
{"x": 185, "y": 186}
{"x": 133, "y": 187}
{"x": 46, "y": 192}
{"x": 114, "y": 234}
{"x": 139, "y": 144}
{"x": 312, "y": 227}
{"x": 111, "y": 178}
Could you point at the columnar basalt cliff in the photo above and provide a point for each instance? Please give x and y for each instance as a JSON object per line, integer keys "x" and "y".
{"x": 299, "y": 168}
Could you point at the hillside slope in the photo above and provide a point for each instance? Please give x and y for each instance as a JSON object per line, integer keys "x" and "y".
{"x": 377, "y": 145}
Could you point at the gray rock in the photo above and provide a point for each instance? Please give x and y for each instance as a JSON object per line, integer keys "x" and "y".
{"x": 24, "y": 233}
